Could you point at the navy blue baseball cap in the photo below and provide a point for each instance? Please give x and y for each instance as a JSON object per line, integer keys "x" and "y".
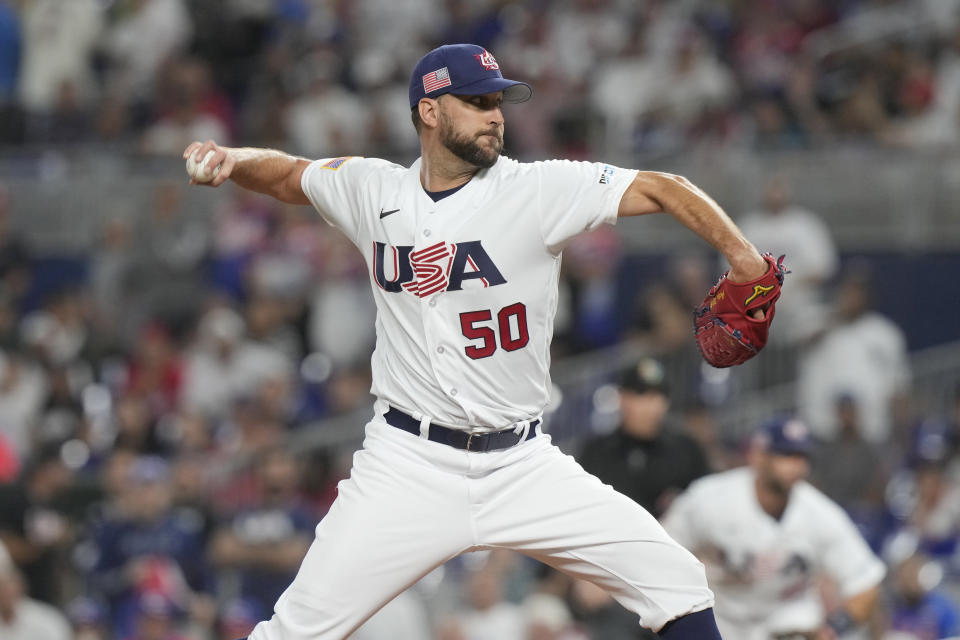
{"x": 462, "y": 69}
{"x": 787, "y": 436}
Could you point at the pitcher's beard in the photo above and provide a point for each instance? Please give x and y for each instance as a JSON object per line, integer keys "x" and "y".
{"x": 470, "y": 150}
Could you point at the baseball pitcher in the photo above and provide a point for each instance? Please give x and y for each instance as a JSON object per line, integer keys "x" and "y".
{"x": 463, "y": 249}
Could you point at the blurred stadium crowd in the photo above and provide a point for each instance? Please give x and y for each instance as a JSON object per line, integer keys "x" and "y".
{"x": 147, "y": 487}
{"x": 327, "y": 77}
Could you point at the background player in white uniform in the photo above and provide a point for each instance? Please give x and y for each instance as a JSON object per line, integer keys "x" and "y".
{"x": 466, "y": 290}
{"x": 766, "y": 536}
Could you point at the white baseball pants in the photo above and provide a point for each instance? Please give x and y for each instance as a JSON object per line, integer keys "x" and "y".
{"x": 410, "y": 505}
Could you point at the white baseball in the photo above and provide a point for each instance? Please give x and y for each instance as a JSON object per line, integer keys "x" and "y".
{"x": 199, "y": 170}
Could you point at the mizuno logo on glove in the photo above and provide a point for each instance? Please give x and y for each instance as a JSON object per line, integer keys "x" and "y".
{"x": 758, "y": 290}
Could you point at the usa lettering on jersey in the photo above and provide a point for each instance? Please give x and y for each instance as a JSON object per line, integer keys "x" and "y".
{"x": 439, "y": 267}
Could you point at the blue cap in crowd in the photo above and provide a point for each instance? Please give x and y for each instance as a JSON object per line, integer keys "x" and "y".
{"x": 787, "y": 436}
{"x": 462, "y": 69}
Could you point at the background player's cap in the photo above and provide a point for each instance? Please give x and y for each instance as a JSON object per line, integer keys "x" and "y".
{"x": 645, "y": 375}
{"x": 785, "y": 436}
{"x": 462, "y": 69}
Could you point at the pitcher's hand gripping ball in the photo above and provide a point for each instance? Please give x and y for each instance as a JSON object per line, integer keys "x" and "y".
{"x": 724, "y": 327}
{"x": 199, "y": 171}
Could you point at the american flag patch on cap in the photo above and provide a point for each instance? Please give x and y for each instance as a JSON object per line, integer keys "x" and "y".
{"x": 436, "y": 80}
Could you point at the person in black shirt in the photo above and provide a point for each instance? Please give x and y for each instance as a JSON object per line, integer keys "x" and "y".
{"x": 644, "y": 458}
{"x": 35, "y": 522}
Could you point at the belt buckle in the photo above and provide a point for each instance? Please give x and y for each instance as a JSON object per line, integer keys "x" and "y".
{"x": 469, "y": 440}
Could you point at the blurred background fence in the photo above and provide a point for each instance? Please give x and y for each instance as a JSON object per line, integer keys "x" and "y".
{"x": 871, "y": 199}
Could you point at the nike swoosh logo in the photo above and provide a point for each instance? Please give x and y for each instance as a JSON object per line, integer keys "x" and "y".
{"x": 384, "y": 214}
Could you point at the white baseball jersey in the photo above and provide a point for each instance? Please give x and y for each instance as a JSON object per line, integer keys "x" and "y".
{"x": 762, "y": 570}
{"x": 466, "y": 288}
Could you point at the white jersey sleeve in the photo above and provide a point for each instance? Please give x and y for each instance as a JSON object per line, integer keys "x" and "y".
{"x": 845, "y": 555}
{"x": 577, "y": 196}
{"x": 336, "y": 188}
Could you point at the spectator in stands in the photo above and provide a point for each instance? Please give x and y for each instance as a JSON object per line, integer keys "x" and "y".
{"x": 191, "y": 476}
{"x": 146, "y": 547}
{"x": 111, "y": 264}
{"x": 12, "y": 127}
{"x": 9, "y": 322}
{"x": 862, "y": 354}
{"x": 237, "y": 618}
{"x": 923, "y": 122}
{"x": 341, "y": 309}
{"x": 487, "y": 614}
{"x": 919, "y": 610}
{"x": 953, "y": 436}
{"x": 549, "y": 618}
{"x": 719, "y": 448}
{"x": 9, "y": 461}
{"x": 140, "y": 40}
{"x": 644, "y": 458}
{"x": 155, "y": 618}
{"x": 264, "y": 543}
{"x": 21, "y": 617}
{"x": 155, "y": 370}
{"x": 88, "y": 617}
{"x": 694, "y": 84}
{"x": 660, "y": 326}
{"x": 773, "y": 125}
{"x": 934, "y": 515}
{"x": 271, "y": 321}
{"x": 223, "y": 365}
{"x": 327, "y": 119}
{"x": 851, "y": 470}
{"x": 35, "y": 524}
{"x": 58, "y": 43}
{"x": 135, "y": 426}
{"x": 23, "y": 391}
{"x": 191, "y": 109}
{"x": 241, "y": 229}
{"x": 591, "y": 263}
{"x": 581, "y": 33}
{"x": 16, "y": 268}
{"x": 169, "y": 249}
{"x": 10, "y": 44}
{"x": 785, "y": 228}
{"x": 59, "y": 333}
{"x": 248, "y": 430}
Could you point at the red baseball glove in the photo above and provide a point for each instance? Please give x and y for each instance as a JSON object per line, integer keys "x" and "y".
{"x": 726, "y": 332}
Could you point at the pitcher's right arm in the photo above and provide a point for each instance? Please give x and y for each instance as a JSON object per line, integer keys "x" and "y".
{"x": 266, "y": 171}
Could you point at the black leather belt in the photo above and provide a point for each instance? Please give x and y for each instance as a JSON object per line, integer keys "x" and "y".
{"x": 490, "y": 441}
